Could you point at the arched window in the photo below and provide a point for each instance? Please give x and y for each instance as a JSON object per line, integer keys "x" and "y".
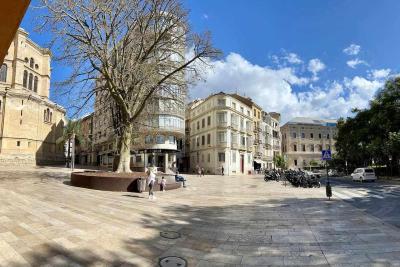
{"x": 31, "y": 62}
{"x": 44, "y": 115}
{"x": 25, "y": 81}
{"x": 51, "y": 117}
{"x": 3, "y": 73}
{"x": 30, "y": 81}
{"x": 35, "y": 84}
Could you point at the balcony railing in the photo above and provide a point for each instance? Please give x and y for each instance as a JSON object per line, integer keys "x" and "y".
{"x": 235, "y": 126}
{"x": 222, "y": 144}
{"x": 222, "y": 124}
{"x": 234, "y": 145}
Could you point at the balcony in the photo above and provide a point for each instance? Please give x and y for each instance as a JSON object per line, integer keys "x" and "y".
{"x": 222, "y": 124}
{"x": 235, "y": 126}
{"x": 222, "y": 144}
{"x": 234, "y": 145}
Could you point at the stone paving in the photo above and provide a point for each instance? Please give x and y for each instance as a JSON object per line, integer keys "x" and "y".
{"x": 223, "y": 221}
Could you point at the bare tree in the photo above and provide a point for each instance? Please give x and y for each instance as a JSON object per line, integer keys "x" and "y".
{"x": 126, "y": 50}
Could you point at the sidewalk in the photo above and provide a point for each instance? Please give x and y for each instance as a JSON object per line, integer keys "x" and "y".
{"x": 221, "y": 220}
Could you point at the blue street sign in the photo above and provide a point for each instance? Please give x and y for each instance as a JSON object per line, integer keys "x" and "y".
{"x": 326, "y": 155}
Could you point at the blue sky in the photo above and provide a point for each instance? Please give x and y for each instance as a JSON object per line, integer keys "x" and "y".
{"x": 289, "y": 55}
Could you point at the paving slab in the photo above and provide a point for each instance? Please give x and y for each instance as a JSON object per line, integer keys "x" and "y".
{"x": 223, "y": 221}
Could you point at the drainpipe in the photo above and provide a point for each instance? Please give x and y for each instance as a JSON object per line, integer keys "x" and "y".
{"x": 3, "y": 118}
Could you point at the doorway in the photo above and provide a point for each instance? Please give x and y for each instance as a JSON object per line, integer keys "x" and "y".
{"x": 242, "y": 163}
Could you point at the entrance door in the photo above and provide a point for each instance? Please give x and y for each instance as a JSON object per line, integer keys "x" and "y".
{"x": 242, "y": 163}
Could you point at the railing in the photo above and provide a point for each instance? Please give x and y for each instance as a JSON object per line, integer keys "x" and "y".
{"x": 222, "y": 144}
{"x": 235, "y": 126}
{"x": 234, "y": 145}
{"x": 222, "y": 124}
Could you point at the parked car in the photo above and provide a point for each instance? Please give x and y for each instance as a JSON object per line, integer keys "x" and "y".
{"x": 319, "y": 173}
{"x": 333, "y": 173}
{"x": 363, "y": 174}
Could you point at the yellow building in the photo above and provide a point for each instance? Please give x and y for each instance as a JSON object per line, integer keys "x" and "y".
{"x": 30, "y": 124}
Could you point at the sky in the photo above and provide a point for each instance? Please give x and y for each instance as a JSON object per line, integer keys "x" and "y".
{"x": 307, "y": 58}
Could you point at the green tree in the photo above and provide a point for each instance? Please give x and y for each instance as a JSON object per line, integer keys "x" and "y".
{"x": 279, "y": 161}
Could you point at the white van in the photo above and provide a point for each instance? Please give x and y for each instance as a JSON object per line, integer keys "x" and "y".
{"x": 363, "y": 174}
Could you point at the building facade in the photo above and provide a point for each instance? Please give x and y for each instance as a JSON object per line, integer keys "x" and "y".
{"x": 221, "y": 135}
{"x": 30, "y": 124}
{"x": 303, "y": 139}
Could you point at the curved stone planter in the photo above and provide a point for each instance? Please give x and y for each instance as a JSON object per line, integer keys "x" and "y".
{"x": 109, "y": 181}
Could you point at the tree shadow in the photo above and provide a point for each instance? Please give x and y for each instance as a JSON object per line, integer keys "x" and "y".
{"x": 236, "y": 234}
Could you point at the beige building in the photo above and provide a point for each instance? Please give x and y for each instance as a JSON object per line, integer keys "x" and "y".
{"x": 30, "y": 124}
{"x": 303, "y": 139}
{"x": 221, "y": 135}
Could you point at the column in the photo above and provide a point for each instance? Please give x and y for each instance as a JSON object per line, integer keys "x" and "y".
{"x": 166, "y": 162}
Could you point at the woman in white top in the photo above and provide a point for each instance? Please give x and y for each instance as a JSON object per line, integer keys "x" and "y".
{"x": 151, "y": 178}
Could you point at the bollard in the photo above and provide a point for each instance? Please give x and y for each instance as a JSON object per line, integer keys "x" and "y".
{"x": 328, "y": 190}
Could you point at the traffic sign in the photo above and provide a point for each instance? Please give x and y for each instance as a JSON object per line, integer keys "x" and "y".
{"x": 326, "y": 155}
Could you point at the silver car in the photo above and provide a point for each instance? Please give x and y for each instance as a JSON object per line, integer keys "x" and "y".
{"x": 364, "y": 174}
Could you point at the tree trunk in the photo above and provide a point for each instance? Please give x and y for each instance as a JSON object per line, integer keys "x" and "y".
{"x": 124, "y": 148}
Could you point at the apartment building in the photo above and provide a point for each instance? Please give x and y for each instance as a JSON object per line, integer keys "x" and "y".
{"x": 303, "y": 139}
{"x": 221, "y": 135}
{"x": 31, "y": 125}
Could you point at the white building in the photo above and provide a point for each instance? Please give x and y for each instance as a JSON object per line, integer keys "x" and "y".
{"x": 221, "y": 135}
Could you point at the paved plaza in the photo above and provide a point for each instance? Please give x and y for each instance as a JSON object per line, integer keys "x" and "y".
{"x": 222, "y": 221}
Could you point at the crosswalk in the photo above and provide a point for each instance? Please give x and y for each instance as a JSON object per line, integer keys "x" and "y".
{"x": 352, "y": 195}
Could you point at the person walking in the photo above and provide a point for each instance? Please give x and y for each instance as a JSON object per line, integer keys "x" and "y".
{"x": 199, "y": 170}
{"x": 222, "y": 170}
{"x": 151, "y": 178}
{"x": 202, "y": 171}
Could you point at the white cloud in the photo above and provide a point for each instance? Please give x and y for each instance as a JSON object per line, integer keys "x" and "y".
{"x": 315, "y": 65}
{"x": 354, "y": 62}
{"x": 272, "y": 88}
{"x": 352, "y": 50}
{"x": 205, "y": 16}
{"x": 379, "y": 74}
{"x": 293, "y": 58}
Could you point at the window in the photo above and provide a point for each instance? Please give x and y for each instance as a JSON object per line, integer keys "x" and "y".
{"x": 234, "y": 105}
{"x": 312, "y": 148}
{"x": 303, "y": 147}
{"x": 221, "y": 157}
{"x": 221, "y": 117}
{"x": 221, "y": 137}
{"x": 171, "y": 139}
{"x": 25, "y": 80}
{"x": 138, "y": 159}
{"x": 221, "y": 102}
{"x": 233, "y": 138}
{"x": 203, "y": 140}
{"x": 242, "y": 109}
{"x": 203, "y": 123}
{"x": 18, "y": 143}
{"x": 160, "y": 139}
{"x": 198, "y": 125}
{"x": 243, "y": 141}
{"x": 208, "y": 157}
{"x": 197, "y": 142}
{"x": 295, "y": 162}
{"x": 248, "y": 113}
{"x": 234, "y": 157}
{"x": 303, "y": 135}
{"x": 208, "y": 139}
{"x": 31, "y": 63}
{"x": 311, "y": 135}
{"x": 327, "y": 136}
{"x": 294, "y": 147}
{"x": 30, "y": 81}
{"x": 319, "y": 135}
{"x": 294, "y": 135}
{"x": 35, "y": 84}
{"x": 255, "y": 112}
{"x": 3, "y": 73}
{"x": 209, "y": 120}
{"x": 148, "y": 139}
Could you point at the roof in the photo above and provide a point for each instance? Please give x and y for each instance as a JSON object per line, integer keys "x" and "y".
{"x": 312, "y": 121}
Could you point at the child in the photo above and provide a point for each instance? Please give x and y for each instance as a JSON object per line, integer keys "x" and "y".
{"x": 163, "y": 184}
